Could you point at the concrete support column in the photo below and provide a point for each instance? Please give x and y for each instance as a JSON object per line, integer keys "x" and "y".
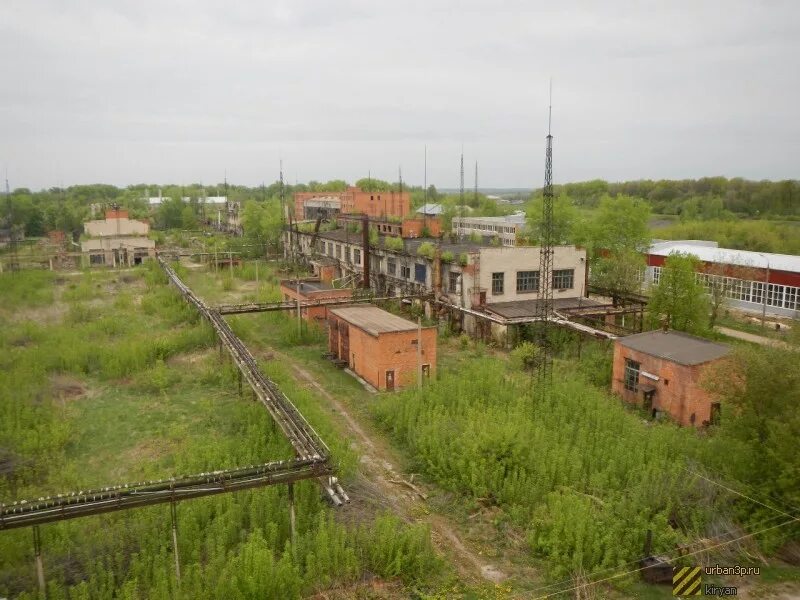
{"x": 37, "y": 551}
{"x": 292, "y": 524}
{"x": 175, "y": 553}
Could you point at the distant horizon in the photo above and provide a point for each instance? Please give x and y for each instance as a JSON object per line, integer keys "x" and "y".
{"x": 448, "y": 189}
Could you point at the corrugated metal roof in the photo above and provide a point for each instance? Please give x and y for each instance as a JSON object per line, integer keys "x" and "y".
{"x": 713, "y": 254}
{"x": 373, "y": 320}
{"x": 676, "y": 346}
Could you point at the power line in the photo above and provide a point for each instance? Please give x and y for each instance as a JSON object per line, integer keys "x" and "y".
{"x": 725, "y": 487}
{"x": 618, "y": 575}
{"x": 639, "y": 560}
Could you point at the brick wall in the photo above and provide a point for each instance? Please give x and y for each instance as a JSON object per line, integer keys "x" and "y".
{"x": 678, "y": 390}
{"x": 412, "y": 228}
{"x": 371, "y": 357}
{"x": 374, "y": 204}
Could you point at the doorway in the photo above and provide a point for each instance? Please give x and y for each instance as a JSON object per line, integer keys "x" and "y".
{"x": 390, "y": 380}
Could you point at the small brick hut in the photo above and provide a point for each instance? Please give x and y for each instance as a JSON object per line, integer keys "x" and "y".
{"x": 662, "y": 372}
{"x": 381, "y": 347}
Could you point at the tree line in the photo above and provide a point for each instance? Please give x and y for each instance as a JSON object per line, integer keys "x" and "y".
{"x": 704, "y": 198}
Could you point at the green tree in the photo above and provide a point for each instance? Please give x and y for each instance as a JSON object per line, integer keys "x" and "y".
{"x": 759, "y": 392}
{"x": 619, "y": 225}
{"x": 188, "y": 218}
{"x": 679, "y": 297}
{"x": 620, "y": 273}
{"x": 566, "y": 220}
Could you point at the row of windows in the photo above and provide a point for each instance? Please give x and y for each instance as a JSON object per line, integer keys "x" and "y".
{"x": 528, "y": 281}
{"x": 779, "y": 296}
{"x": 467, "y": 227}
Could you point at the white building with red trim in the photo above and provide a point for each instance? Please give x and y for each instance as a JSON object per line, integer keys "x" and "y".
{"x": 752, "y": 280}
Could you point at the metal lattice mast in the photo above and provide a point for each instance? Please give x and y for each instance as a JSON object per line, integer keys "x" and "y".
{"x": 475, "y": 192}
{"x": 461, "y": 199}
{"x": 545, "y": 304}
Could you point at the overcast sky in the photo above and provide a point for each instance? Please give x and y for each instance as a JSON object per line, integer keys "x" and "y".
{"x": 176, "y": 92}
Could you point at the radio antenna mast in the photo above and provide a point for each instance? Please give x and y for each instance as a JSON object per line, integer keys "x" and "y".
{"x": 545, "y": 303}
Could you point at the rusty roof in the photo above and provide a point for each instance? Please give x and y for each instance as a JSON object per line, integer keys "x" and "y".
{"x": 373, "y": 320}
{"x": 675, "y": 346}
{"x": 529, "y": 308}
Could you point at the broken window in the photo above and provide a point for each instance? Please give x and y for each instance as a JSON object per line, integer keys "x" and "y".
{"x": 498, "y": 282}
{"x": 527, "y": 281}
{"x": 453, "y": 281}
{"x": 631, "y": 375}
{"x": 563, "y": 279}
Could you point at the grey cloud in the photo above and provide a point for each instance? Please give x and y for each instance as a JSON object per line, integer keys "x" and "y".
{"x": 129, "y": 91}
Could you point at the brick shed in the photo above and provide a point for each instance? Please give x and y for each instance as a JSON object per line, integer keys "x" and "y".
{"x": 662, "y": 372}
{"x": 379, "y": 346}
{"x": 311, "y": 290}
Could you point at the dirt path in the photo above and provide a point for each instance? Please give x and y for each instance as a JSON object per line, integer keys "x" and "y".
{"x": 377, "y": 467}
{"x": 751, "y": 337}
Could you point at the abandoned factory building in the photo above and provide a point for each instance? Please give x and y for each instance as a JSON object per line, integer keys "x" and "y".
{"x": 386, "y": 350}
{"x": 491, "y": 288}
{"x": 662, "y": 371}
{"x": 117, "y": 240}
{"x": 313, "y": 205}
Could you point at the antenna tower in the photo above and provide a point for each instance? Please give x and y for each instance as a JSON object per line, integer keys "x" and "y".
{"x": 475, "y": 192}
{"x": 545, "y": 304}
{"x": 461, "y": 197}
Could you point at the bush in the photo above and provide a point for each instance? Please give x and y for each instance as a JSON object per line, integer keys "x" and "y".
{"x": 525, "y": 356}
{"x": 426, "y": 249}
{"x": 447, "y": 256}
{"x": 393, "y": 243}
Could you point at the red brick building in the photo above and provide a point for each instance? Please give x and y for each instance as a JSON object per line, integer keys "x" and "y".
{"x": 311, "y": 290}
{"x": 353, "y": 201}
{"x": 662, "y": 371}
{"x": 381, "y": 347}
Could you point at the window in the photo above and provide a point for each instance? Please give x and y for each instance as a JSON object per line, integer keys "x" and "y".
{"x": 527, "y": 282}
{"x": 631, "y": 375}
{"x": 453, "y": 282}
{"x": 563, "y": 279}
{"x": 357, "y": 256}
{"x": 405, "y": 271}
{"x": 656, "y": 275}
{"x": 420, "y": 272}
{"x": 791, "y": 299}
{"x": 497, "y": 283}
{"x": 391, "y": 266}
{"x": 338, "y": 251}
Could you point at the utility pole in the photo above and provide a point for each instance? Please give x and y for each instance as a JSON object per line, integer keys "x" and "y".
{"x": 545, "y": 303}
{"x": 419, "y": 352}
{"x": 299, "y": 323}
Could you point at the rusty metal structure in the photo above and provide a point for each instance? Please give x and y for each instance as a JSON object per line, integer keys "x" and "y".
{"x": 253, "y": 307}
{"x": 544, "y": 374}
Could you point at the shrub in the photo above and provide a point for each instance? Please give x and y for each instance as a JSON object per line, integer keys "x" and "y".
{"x": 447, "y": 256}
{"x": 393, "y": 243}
{"x": 426, "y": 249}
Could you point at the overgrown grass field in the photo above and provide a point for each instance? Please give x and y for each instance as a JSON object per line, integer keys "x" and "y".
{"x": 122, "y": 382}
